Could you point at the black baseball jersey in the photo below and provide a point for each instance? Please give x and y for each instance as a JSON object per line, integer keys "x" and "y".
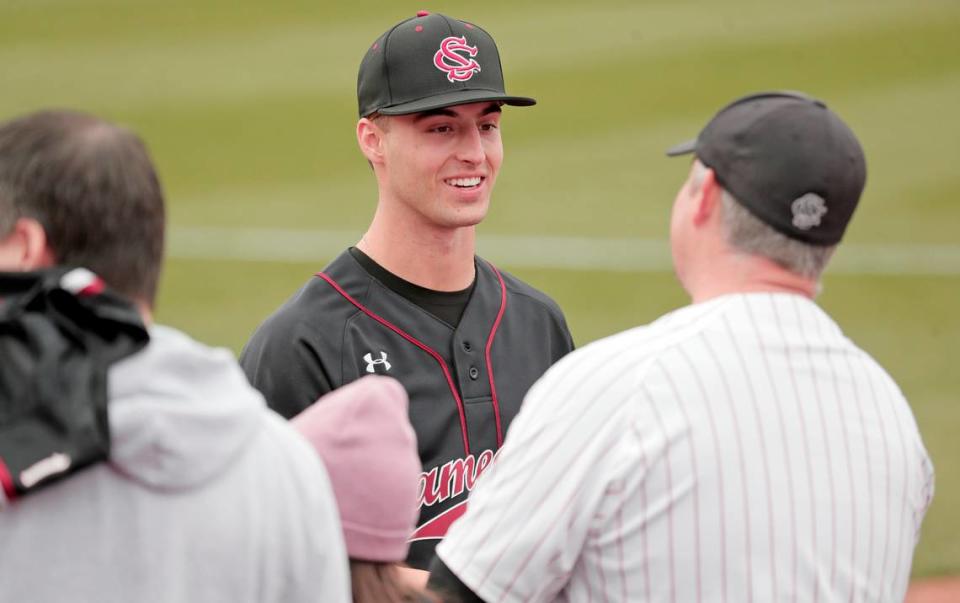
{"x": 465, "y": 383}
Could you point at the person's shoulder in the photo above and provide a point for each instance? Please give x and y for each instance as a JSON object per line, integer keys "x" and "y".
{"x": 681, "y": 324}
{"x": 194, "y": 382}
{"x": 291, "y": 444}
{"x": 173, "y": 349}
{"x": 313, "y": 296}
{"x": 527, "y": 293}
{"x": 318, "y": 303}
{"x": 643, "y": 344}
{"x": 688, "y": 321}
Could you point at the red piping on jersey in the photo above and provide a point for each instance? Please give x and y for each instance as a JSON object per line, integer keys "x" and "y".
{"x": 6, "y": 481}
{"x": 493, "y": 331}
{"x": 422, "y": 346}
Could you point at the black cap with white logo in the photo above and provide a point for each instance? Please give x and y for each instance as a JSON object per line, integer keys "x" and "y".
{"x": 789, "y": 160}
{"x": 431, "y": 61}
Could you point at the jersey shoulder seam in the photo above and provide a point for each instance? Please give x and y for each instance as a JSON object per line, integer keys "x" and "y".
{"x": 361, "y": 299}
{"x": 549, "y": 304}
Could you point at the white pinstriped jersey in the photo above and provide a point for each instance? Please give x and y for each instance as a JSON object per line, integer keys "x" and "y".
{"x": 741, "y": 449}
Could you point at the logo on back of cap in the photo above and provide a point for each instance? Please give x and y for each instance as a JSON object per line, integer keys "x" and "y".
{"x": 455, "y": 58}
{"x": 807, "y": 211}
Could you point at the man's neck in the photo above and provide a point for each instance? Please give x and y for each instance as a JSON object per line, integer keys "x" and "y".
{"x": 441, "y": 259}
{"x": 146, "y": 312}
{"x": 748, "y": 274}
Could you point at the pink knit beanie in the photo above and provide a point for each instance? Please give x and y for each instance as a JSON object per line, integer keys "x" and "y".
{"x": 364, "y": 436}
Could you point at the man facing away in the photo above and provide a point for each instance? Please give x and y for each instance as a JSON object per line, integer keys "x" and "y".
{"x": 412, "y": 300}
{"x": 207, "y": 494}
{"x": 737, "y": 449}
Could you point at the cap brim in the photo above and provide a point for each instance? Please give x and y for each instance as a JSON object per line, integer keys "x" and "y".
{"x": 458, "y": 97}
{"x": 684, "y": 148}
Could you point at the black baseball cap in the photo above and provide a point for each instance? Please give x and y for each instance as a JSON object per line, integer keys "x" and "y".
{"x": 431, "y": 61}
{"x": 789, "y": 160}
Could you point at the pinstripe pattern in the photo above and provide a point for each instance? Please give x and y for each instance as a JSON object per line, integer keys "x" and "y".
{"x": 720, "y": 539}
{"x": 789, "y": 358}
{"x": 791, "y": 549}
{"x": 764, "y": 456}
{"x": 741, "y": 462}
{"x": 826, "y": 445}
{"x": 739, "y": 449}
{"x": 898, "y": 558}
{"x": 668, "y": 474}
{"x": 645, "y": 549}
{"x": 868, "y": 478}
{"x": 696, "y": 496}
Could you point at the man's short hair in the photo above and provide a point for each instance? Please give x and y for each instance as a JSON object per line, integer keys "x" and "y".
{"x": 93, "y": 188}
{"x": 748, "y": 234}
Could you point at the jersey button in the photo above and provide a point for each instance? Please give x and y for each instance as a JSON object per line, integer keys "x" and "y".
{"x": 474, "y": 373}
{"x": 467, "y": 346}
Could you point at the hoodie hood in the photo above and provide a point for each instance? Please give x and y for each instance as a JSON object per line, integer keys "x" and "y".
{"x": 179, "y": 412}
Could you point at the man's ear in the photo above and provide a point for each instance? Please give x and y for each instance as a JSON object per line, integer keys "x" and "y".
{"x": 25, "y": 247}
{"x": 370, "y": 137}
{"x": 707, "y": 198}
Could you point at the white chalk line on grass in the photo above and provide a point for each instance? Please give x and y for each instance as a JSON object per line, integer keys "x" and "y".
{"x": 566, "y": 253}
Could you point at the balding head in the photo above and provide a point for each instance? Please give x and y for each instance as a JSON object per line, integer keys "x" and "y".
{"x": 92, "y": 187}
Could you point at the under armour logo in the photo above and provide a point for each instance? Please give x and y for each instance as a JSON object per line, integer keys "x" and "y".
{"x": 807, "y": 211}
{"x": 371, "y": 363}
{"x": 455, "y": 58}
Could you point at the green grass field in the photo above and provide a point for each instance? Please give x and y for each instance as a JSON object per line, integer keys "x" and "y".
{"x": 249, "y": 110}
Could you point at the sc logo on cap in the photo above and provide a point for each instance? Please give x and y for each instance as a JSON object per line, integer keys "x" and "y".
{"x": 455, "y": 58}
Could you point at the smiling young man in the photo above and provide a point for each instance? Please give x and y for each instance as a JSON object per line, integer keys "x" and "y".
{"x": 411, "y": 299}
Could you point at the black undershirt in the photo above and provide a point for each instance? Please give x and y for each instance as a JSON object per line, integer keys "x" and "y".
{"x": 448, "y": 306}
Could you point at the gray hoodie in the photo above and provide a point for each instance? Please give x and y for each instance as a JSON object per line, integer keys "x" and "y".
{"x": 208, "y": 496}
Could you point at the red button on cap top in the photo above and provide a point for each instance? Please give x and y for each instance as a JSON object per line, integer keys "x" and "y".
{"x": 423, "y": 13}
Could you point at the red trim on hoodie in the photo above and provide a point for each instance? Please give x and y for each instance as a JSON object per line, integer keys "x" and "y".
{"x": 6, "y": 480}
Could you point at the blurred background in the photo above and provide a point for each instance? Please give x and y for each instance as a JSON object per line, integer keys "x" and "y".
{"x": 249, "y": 109}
